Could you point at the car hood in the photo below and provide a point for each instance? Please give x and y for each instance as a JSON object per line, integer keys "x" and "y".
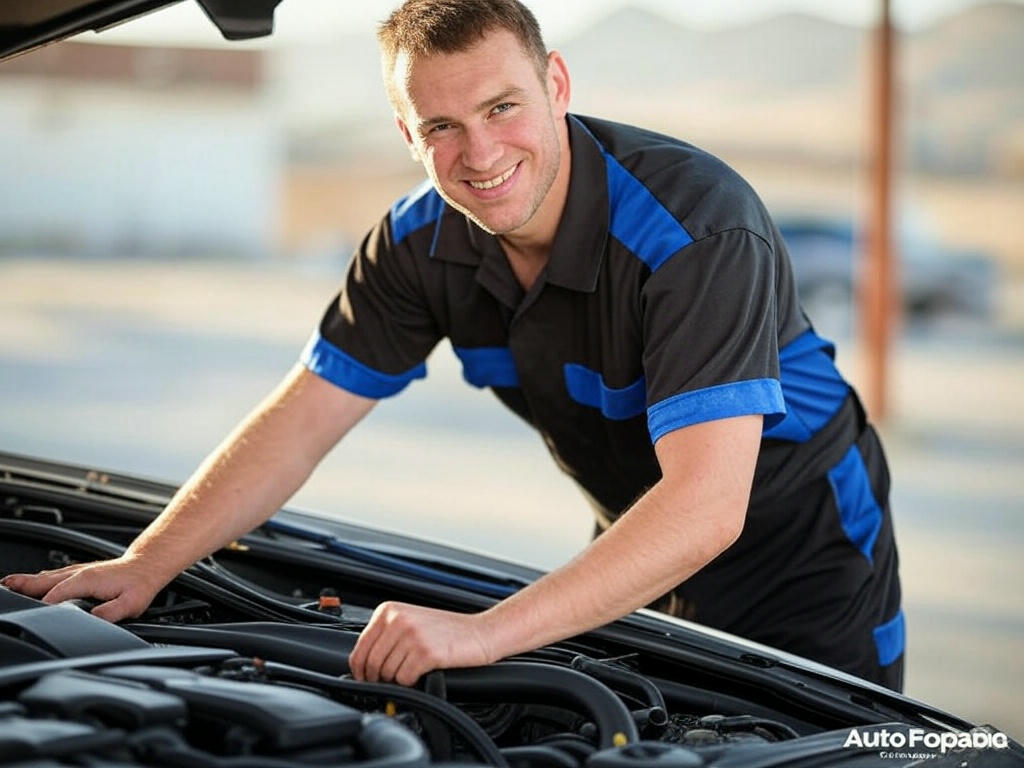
{"x": 29, "y": 24}
{"x": 243, "y": 660}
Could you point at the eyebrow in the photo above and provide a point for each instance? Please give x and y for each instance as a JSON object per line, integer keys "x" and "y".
{"x": 508, "y": 93}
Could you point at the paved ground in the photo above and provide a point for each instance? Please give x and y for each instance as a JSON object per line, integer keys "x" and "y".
{"x": 143, "y": 367}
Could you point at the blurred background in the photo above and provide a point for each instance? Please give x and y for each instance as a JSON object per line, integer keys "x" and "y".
{"x": 178, "y": 212}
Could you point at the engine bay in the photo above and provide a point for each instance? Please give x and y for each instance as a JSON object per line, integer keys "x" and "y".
{"x": 243, "y": 661}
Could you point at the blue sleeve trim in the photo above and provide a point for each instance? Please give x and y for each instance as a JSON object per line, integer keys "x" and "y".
{"x": 330, "y": 363}
{"x": 488, "y": 366}
{"x": 639, "y": 220}
{"x": 859, "y": 513}
{"x": 587, "y": 387}
{"x": 740, "y": 398}
{"x": 891, "y": 639}
{"x": 417, "y": 209}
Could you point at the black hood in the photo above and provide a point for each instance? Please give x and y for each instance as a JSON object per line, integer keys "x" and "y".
{"x": 28, "y": 24}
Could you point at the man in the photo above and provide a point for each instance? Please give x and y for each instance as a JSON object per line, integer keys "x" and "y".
{"x": 627, "y": 295}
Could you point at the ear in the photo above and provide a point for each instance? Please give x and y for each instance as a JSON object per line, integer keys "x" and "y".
{"x": 407, "y": 135}
{"x": 558, "y": 84}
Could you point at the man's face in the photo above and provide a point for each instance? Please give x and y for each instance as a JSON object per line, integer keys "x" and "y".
{"x": 488, "y": 129}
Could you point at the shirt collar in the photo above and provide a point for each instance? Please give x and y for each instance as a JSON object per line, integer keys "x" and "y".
{"x": 582, "y": 234}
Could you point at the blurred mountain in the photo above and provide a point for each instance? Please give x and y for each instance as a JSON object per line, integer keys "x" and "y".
{"x": 982, "y": 47}
{"x": 793, "y": 86}
{"x": 963, "y": 85}
{"x": 637, "y": 48}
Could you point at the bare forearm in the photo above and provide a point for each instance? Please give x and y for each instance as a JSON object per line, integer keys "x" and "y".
{"x": 243, "y": 481}
{"x": 687, "y": 519}
{"x": 649, "y": 551}
{"x": 235, "y": 489}
{"x": 239, "y": 486}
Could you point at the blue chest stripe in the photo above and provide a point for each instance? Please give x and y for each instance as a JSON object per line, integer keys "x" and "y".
{"x": 587, "y": 387}
{"x": 488, "y": 366}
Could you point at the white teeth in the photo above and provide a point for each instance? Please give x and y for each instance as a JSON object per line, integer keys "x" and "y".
{"x": 491, "y": 183}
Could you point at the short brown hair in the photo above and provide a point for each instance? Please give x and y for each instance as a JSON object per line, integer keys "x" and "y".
{"x": 428, "y": 27}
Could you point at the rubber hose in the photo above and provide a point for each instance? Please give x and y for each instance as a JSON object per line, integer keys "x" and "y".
{"x": 525, "y": 682}
{"x": 456, "y": 719}
{"x": 630, "y": 681}
{"x": 389, "y": 745}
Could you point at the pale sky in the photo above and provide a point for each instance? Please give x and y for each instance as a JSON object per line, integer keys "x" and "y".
{"x": 319, "y": 20}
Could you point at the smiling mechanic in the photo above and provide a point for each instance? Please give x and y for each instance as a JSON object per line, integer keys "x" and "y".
{"x": 628, "y": 296}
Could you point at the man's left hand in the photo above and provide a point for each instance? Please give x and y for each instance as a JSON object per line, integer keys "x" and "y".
{"x": 402, "y": 642}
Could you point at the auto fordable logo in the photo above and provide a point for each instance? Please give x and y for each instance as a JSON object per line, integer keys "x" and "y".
{"x": 918, "y": 738}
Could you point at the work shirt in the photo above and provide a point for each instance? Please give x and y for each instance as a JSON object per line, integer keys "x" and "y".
{"x": 668, "y": 300}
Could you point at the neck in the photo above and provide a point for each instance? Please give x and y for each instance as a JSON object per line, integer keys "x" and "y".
{"x": 529, "y": 248}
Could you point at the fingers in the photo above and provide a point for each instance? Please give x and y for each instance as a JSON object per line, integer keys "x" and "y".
{"x": 369, "y": 652}
{"x": 122, "y": 607}
{"x": 79, "y": 583}
{"x": 38, "y": 584}
{"x": 108, "y": 581}
{"x": 411, "y": 669}
{"x": 403, "y": 642}
{"x": 392, "y": 663}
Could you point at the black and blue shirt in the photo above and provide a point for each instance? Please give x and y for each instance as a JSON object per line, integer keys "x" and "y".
{"x": 668, "y": 300}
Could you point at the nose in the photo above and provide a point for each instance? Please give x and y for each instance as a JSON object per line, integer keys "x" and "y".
{"x": 481, "y": 149}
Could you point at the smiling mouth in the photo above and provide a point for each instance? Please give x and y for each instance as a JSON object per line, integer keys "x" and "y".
{"x": 496, "y": 181}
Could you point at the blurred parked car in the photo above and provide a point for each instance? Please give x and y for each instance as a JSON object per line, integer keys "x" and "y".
{"x": 936, "y": 280}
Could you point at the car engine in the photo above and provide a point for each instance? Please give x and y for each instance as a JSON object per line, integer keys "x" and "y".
{"x": 242, "y": 661}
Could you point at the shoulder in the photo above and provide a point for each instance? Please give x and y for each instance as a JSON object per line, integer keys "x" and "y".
{"x": 702, "y": 193}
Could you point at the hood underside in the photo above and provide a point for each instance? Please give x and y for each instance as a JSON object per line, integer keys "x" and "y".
{"x": 29, "y": 24}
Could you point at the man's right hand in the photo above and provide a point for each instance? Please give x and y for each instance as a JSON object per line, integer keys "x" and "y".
{"x": 120, "y": 584}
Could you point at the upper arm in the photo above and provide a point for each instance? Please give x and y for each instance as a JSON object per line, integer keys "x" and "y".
{"x": 710, "y": 465}
{"x": 710, "y": 334}
{"x": 318, "y": 413}
{"x": 375, "y": 335}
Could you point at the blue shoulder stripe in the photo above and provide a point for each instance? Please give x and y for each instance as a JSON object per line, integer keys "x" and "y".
{"x": 330, "y": 363}
{"x": 419, "y": 208}
{"x": 639, "y": 221}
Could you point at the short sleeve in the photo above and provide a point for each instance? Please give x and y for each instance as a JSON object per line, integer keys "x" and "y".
{"x": 710, "y": 334}
{"x": 375, "y": 335}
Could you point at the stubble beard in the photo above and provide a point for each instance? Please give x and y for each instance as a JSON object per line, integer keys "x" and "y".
{"x": 540, "y": 190}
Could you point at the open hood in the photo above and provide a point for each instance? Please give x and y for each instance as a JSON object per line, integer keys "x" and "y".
{"x": 28, "y": 24}
{"x": 242, "y": 660}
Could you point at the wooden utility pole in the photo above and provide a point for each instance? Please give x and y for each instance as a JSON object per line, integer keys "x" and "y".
{"x": 879, "y": 299}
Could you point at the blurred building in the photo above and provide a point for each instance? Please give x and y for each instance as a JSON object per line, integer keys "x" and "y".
{"x": 195, "y": 171}
{"x": 292, "y": 150}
